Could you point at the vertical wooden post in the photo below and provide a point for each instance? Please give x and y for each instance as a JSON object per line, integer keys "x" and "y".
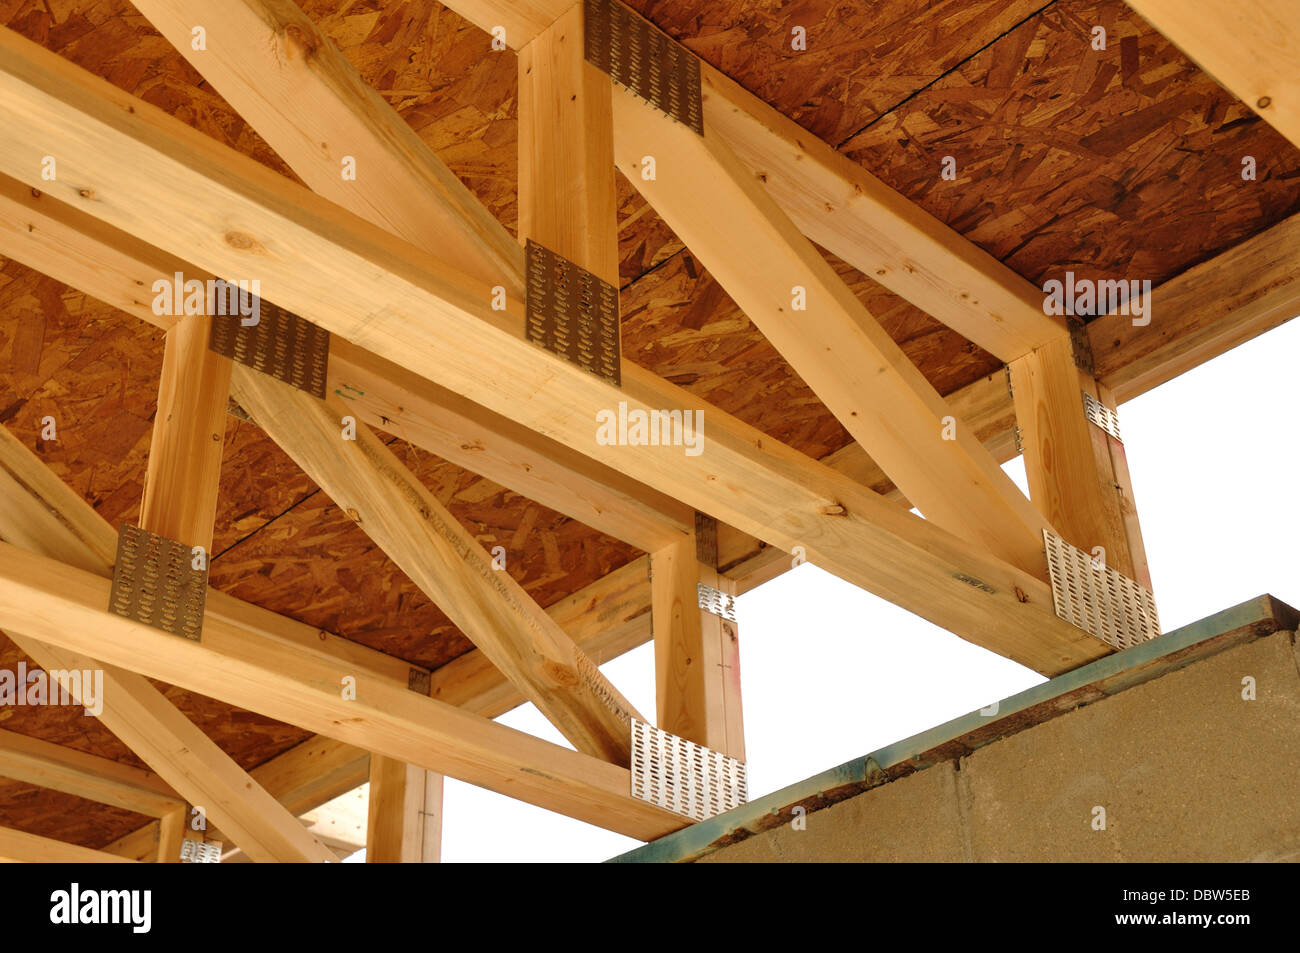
{"x": 171, "y": 831}
{"x": 404, "y": 825}
{"x": 184, "y": 468}
{"x": 697, "y": 658}
{"x": 1071, "y": 463}
{"x": 567, "y": 198}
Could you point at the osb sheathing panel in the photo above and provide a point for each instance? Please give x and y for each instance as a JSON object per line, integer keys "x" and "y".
{"x": 64, "y": 817}
{"x": 1116, "y": 163}
{"x": 1120, "y": 160}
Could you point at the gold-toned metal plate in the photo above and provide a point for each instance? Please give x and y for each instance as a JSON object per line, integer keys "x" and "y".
{"x": 155, "y": 582}
{"x": 644, "y": 60}
{"x": 572, "y": 313}
{"x": 706, "y": 540}
{"x": 418, "y": 681}
{"x": 281, "y": 344}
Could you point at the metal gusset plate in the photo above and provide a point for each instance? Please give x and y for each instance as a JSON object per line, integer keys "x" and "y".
{"x": 572, "y": 313}
{"x": 643, "y": 59}
{"x": 155, "y": 582}
{"x": 683, "y": 777}
{"x": 281, "y": 344}
{"x": 1097, "y": 598}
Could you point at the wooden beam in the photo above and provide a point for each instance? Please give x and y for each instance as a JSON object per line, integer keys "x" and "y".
{"x": 697, "y": 658}
{"x": 844, "y": 208}
{"x": 605, "y": 618}
{"x": 292, "y": 84}
{"x": 22, "y": 848}
{"x": 388, "y": 297}
{"x": 1122, "y": 484}
{"x": 89, "y": 776}
{"x": 405, "y": 815}
{"x": 313, "y": 772}
{"x": 288, "y": 80}
{"x": 826, "y": 334}
{"x": 302, "y": 779}
{"x": 107, "y": 263}
{"x": 1205, "y": 311}
{"x": 250, "y": 666}
{"x": 567, "y": 198}
{"x": 1250, "y": 47}
{"x": 851, "y": 213}
{"x": 171, "y": 835}
{"x": 184, "y": 467}
{"x": 43, "y": 513}
{"x": 1067, "y": 458}
{"x": 367, "y": 481}
{"x": 1201, "y": 313}
{"x": 186, "y": 758}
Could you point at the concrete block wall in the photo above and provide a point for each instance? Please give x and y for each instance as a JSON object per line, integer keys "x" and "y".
{"x": 1185, "y": 767}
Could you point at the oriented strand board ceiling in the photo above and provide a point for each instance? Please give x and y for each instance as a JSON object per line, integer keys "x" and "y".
{"x": 1117, "y": 162}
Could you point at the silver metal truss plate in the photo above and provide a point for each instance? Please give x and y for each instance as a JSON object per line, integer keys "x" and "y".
{"x": 684, "y": 777}
{"x": 200, "y": 852}
{"x": 716, "y": 601}
{"x": 1101, "y": 415}
{"x": 155, "y": 582}
{"x": 636, "y": 55}
{"x": 1098, "y": 599}
{"x": 572, "y": 313}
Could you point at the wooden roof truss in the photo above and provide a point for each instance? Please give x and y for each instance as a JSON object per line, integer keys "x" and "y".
{"x": 423, "y": 293}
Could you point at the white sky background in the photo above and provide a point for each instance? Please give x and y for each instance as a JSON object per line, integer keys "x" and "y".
{"x": 830, "y": 672}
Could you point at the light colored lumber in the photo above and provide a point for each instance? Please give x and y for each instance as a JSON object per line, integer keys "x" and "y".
{"x": 1067, "y": 459}
{"x": 402, "y": 828}
{"x": 292, "y": 84}
{"x": 172, "y": 828}
{"x": 697, "y": 659}
{"x": 1250, "y": 47}
{"x": 1202, "y": 313}
{"x": 566, "y": 147}
{"x": 79, "y": 250}
{"x": 60, "y": 768}
{"x": 829, "y": 338}
{"x": 171, "y": 744}
{"x": 253, "y": 669}
{"x": 848, "y": 211}
{"x": 605, "y": 618}
{"x": 357, "y": 281}
{"x": 313, "y": 772}
{"x": 523, "y": 19}
{"x": 140, "y": 844}
{"x": 41, "y": 512}
{"x": 851, "y": 213}
{"x": 22, "y": 848}
{"x": 1205, "y": 311}
{"x": 1123, "y": 486}
{"x": 367, "y": 481}
{"x": 183, "y": 473}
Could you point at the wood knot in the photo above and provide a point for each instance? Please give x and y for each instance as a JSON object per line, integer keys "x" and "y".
{"x": 1020, "y": 595}
{"x": 1264, "y": 102}
{"x": 299, "y": 42}
{"x": 242, "y": 241}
